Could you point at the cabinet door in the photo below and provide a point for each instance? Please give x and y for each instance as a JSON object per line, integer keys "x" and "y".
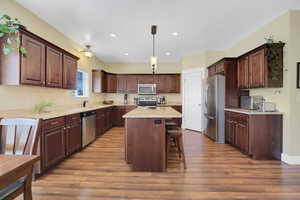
{"x": 177, "y": 83}
{"x": 257, "y": 69}
{"x": 54, "y": 146}
{"x": 232, "y": 132}
{"x": 69, "y": 72}
{"x": 212, "y": 70}
{"x": 96, "y": 81}
{"x": 243, "y": 72}
{"x": 121, "y": 84}
{"x": 131, "y": 84}
{"x": 242, "y": 137}
{"x": 33, "y": 65}
{"x": 54, "y": 69}
{"x": 159, "y": 80}
{"x": 227, "y": 129}
{"x": 104, "y": 82}
{"x": 73, "y": 137}
{"x": 111, "y": 83}
{"x": 145, "y": 79}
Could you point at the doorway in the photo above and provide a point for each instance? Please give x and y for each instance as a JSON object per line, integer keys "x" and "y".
{"x": 193, "y": 99}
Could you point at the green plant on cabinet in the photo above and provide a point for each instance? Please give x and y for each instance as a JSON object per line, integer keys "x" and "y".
{"x": 9, "y": 30}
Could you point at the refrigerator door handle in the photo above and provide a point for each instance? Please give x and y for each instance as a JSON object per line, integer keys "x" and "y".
{"x": 210, "y": 117}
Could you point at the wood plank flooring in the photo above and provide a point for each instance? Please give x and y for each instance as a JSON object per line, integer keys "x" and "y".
{"x": 214, "y": 172}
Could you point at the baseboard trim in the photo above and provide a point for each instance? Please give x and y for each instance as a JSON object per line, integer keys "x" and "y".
{"x": 292, "y": 160}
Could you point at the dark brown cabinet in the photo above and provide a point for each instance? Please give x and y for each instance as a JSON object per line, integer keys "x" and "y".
{"x": 44, "y": 65}
{"x": 73, "y": 133}
{"x": 33, "y": 65}
{"x": 236, "y": 130}
{"x": 54, "y": 146}
{"x": 243, "y": 72}
{"x": 227, "y": 67}
{"x": 69, "y": 72}
{"x": 54, "y": 67}
{"x": 111, "y": 83}
{"x": 145, "y": 79}
{"x": 131, "y": 84}
{"x": 100, "y": 122}
{"x": 259, "y": 136}
{"x": 256, "y": 69}
{"x": 260, "y": 69}
{"x": 104, "y": 82}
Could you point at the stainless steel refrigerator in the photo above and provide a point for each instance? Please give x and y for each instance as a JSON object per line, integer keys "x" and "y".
{"x": 214, "y": 108}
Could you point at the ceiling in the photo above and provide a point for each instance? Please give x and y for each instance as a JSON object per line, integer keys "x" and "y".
{"x": 200, "y": 24}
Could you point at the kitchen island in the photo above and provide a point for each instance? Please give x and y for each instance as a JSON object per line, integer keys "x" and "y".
{"x": 145, "y": 137}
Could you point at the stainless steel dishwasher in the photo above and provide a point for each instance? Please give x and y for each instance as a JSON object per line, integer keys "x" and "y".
{"x": 88, "y": 127}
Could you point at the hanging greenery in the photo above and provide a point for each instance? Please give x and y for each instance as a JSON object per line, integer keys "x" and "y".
{"x": 274, "y": 58}
{"x": 9, "y": 32}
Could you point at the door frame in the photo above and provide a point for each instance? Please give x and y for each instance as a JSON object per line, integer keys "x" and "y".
{"x": 186, "y": 73}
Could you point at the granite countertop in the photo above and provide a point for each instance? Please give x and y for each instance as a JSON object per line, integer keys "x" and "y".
{"x": 251, "y": 112}
{"x": 59, "y": 112}
{"x": 158, "y": 112}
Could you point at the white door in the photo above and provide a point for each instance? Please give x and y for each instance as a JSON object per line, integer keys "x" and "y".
{"x": 193, "y": 99}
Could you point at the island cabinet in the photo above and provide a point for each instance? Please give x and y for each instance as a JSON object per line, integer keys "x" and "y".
{"x": 44, "y": 65}
{"x": 261, "y": 67}
{"x": 257, "y": 135}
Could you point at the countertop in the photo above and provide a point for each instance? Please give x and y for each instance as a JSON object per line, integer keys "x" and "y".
{"x": 251, "y": 112}
{"x": 158, "y": 112}
{"x": 59, "y": 112}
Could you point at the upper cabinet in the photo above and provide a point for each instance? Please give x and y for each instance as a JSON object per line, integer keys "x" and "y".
{"x": 261, "y": 67}
{"x": 104, "y": 82}
{"x": 243, "y": 72}
{"x": 54, "y": 67}
{"x": 69, "y": 72}
{"x": 45, "y": 65}
{"x": 227, "y": 67}
{"x": 32, "y": 66}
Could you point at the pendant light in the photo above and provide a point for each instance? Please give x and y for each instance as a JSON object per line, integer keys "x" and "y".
{"x": 153, "y": 58}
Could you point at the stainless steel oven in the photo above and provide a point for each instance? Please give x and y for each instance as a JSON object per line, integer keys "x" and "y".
{"x": 146, "y": 89}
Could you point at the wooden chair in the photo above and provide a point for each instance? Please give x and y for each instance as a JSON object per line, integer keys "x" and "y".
{"x": 19, "y": 137}
{"x": 176, "y": 135}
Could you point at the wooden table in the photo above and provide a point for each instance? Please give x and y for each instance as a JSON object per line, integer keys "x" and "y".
{"x": 14, "y": 167}
{"x": 145, "y": 138}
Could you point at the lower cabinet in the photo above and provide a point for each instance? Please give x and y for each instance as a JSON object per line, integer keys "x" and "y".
{"x": 259, "y": 136}
{"x": 60, "y": 137}
{"x": 73, "y": 137}
{"x": 54, "y": 146}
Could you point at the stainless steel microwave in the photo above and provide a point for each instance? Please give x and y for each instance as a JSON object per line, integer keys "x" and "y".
{"x": 145, "y": 89}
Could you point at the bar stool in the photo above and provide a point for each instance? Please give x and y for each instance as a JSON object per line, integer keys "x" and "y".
{"x": 176, "y": 135}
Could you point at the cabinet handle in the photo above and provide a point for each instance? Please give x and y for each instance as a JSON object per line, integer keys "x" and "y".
{"x": 64, "y": 128}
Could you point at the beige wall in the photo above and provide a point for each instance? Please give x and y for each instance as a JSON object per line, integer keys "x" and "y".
{"x": 13, "y": 97}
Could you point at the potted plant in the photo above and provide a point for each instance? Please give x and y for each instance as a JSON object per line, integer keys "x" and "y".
{"x": 9, "y": 34}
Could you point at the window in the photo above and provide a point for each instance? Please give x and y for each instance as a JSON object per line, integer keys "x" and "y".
{"x": 82, "y": 89}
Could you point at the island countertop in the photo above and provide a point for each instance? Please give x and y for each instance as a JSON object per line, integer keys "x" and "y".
{"x": 158, "y": 112}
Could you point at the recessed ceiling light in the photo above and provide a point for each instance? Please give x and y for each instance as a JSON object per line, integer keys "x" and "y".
{"x": 113, "y": 35}
{"x": 175, "y": 34}
{"x": 168, "y": 53}
{"x": 126, "y": 54}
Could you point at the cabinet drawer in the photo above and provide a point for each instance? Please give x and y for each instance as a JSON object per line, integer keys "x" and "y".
{"x": 73, "y": 118}
{"x": 54, "y": 123}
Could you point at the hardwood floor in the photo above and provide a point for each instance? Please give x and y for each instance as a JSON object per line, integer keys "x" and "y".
{"x": 213, "y": 172}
